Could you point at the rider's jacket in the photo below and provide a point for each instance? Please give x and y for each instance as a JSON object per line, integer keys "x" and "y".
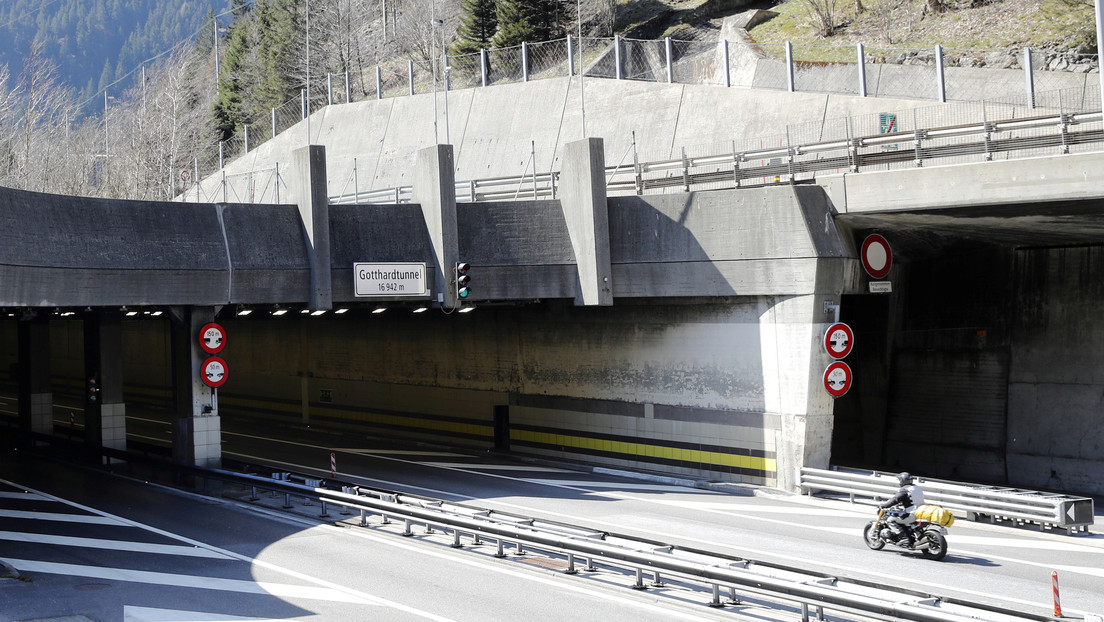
{"x": 909, "y": 497}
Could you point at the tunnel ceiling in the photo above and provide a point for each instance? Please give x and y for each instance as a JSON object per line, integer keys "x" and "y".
{"x": 1034, "y": 225}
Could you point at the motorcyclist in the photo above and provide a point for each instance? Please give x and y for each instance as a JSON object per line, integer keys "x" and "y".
{"x": 909, "y": 497}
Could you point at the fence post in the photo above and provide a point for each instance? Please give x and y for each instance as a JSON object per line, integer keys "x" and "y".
{"x": 860, "y": 51}
{"x": 329, "y": 89}
{"x": 483, "y": 65}
{"x": 524, "y": 61}
{"x": 727, "y": 65}
{"x": 1029, "y": 76}
{"x": 195, "y": 168}
{"x": 348, "y": 91}
{"x": 941, "y": 78}
{"x": 274, "y": 123}
{"x": 246, "y": 130}
{"x": 617, "y": 56}
{"x": 303, "y": 103}
{"x": 221, "y": 161}
{"x": 789, "y": 67}
{"x": 410, "y": 75}
{"x": 379, "y": 82}
{"x": 570, "y": 57}
{"x": 670, "y": 64}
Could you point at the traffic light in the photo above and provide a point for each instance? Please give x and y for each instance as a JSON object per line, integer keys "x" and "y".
{"x": 93, "y": 391}
{"x": 461, "y": 278}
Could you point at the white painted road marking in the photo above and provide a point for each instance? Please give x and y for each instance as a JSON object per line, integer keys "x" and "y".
{"x": 180, "y": 580}
{"x": 149, "y": 614}
{"x": 112, "y": 545}
{"x": 61, "y": 518}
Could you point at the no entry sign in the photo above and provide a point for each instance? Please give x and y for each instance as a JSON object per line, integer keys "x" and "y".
{"x": 837, "y": 379}
{"x": 876, "y": 256}
{"x": 838, "y": 340}
{"x": 213, "y": 372}
{"x": 212, "y": 338}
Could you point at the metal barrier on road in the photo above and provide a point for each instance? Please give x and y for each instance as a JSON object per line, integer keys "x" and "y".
{"x": 977, "y": 501}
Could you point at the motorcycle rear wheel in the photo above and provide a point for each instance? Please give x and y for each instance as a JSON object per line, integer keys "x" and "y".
{"x": 872, "y": 538}
{"x": 937, "y": 546}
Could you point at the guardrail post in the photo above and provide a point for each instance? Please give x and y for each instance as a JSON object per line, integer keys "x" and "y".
{"x": 500, "y": 553}
{"x": 363, "y": 518}
{"x": 1029, "y": 77}
{"x": 483, "y": 66}
{"x": 716, "y": 602}
{"x": 940, "y": 77}
{"x": 639, "y": 585}
{"x": 727, "y": 65}
{"x": 860, "y": 63}
{"x": 524, "y": 61}
{"x": 571, "y": 564}
{"x": 617, "y": 56}
{"x": 670, "y": 61}
{"x": 408, "y": 532}
{"x": 570, "y": 56}
{"x": 790, "y": 82}
{"x": 456, "y": 539}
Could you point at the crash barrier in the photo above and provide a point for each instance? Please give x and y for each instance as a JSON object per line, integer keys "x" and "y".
{"x": 977, "y": 501}
{"x": 797, "y": 162}
{"x": 781, "y": 586}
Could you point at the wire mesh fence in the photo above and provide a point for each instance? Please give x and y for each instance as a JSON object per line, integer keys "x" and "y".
{"x": 1062, "y": 81}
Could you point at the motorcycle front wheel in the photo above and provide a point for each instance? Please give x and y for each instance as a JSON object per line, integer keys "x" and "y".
{"x": 872, "y": 538}
{"x": 937, "y": 546}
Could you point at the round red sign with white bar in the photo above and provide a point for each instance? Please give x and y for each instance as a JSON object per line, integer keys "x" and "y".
{"x": 876, "y": 256}
{"x": 837, "y": 379}
{"x": 838, "y": 340}
{"x": 213, "y": 372}
{"x": 212, "y": 338}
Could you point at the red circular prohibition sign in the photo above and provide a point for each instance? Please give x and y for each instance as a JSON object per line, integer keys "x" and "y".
{"x": 839, "y": 340}
{"x": 876, "y": 256}
{"x": 837, "y": 379}
{"x": 214, "y": 372}
{"x": 212, "y": 338}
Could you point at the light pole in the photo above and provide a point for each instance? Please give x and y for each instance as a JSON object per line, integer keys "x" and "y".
{"x": 582, "y": 65}
{"x": 433, "y": 67}
{"x": 445, "y": 71}
{"x": 1100, "y": 46}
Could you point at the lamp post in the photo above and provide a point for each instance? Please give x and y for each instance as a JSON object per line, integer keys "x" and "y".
{"x": 433, "y": 67}
{"x": 582, "y": 66}
{"x": 445, "y": 71}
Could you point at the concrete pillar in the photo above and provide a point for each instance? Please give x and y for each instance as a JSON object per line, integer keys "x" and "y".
{"x": 794, "y": 360}
{"x": 309, "y": 192}
{"x": 196, "y": 424}
{"x": 434, "y": 189}
{"x": 104, "y": 410}
{"x": 583, "y": 200}
{"x": 36, "y": 400}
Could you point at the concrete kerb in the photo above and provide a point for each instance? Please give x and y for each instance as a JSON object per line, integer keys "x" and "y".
{"x": 8, "y": 572}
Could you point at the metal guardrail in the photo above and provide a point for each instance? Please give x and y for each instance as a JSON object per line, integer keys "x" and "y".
{"x": 977, "y": 501}
{"x": 797, "y": 162}
{"x": 784, "y": 586}
{"x": 802, "y": 589}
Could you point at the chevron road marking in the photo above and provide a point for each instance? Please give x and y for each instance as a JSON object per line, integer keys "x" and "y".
{"x": 112, "y": 545}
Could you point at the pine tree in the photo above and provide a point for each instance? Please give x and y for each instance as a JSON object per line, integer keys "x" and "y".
{"x": 228, "y": 110}
{"x": 529, "y": 20}
{"x": 478, "y": 24}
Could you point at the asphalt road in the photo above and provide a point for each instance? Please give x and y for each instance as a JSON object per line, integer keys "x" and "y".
{"x": 1003, "y": 566}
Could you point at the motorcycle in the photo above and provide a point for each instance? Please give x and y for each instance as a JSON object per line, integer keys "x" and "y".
{"x": 927, "y": 536}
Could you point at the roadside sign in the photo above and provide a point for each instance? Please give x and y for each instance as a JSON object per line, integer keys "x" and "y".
{"x": 837, "y": 379}
{"x": 213, "y": 372}
{"x": 212, "y": 338}
{"x": 876, "y": 256}
{"x": 389, "y": 279}
{"x": 185, "y": 177}
{"x": 838, "y": 340}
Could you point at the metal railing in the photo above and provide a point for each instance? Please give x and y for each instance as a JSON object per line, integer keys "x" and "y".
{"x": 780, "y": 585}
{"x": 977, "y": 501}
{"x": 794, "y": 161}
{"x": 785, "y": 585}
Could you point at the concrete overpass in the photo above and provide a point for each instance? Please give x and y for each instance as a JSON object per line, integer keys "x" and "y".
{"x": 679, "y": 332}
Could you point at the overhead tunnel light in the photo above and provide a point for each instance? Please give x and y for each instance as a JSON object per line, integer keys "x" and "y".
{"x": 318, "y": 312}
{"x": 279, "y": 312}
{"x": 467, "y": 309}
{"x": 244, "y": 312}
{"x": 421, "y": 309}
{"x": 340, "y": 311}
{"x": 378, "y": 310}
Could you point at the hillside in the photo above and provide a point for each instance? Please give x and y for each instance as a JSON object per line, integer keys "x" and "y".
{"x": 95, "y": 42}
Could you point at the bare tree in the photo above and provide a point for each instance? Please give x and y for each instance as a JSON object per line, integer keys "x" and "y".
{"x": 823, "y": 15}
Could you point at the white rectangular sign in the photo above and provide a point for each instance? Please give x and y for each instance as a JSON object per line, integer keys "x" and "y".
{"x": 389, "y": 279}
{"x": 881, "y": 287}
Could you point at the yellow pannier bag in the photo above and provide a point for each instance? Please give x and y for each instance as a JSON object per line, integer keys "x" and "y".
{"x": 935, "y": 514}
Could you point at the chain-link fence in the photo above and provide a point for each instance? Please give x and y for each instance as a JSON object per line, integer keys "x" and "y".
{"x": 1057, "y": 80}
